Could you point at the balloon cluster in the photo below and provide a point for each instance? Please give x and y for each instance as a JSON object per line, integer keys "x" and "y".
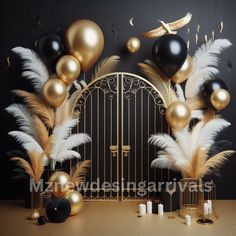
{"x": 60, "y": 187}
{"x": 171, "y": 56}
{"x": 84, "y": 42}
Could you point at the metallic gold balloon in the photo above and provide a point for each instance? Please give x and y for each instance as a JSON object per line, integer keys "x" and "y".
{"x": 54, "y": 92}
{"x": 220, "y": 98}
{"x": 60, "y": 183}
{"x": 85, "y": 41}
{"x": 184, "y": 72}
{"x": 133, "y": 44}
{"x": 178, "y": 115}
{"x": 76, "y": 201}
{"x": 68, "y": 69}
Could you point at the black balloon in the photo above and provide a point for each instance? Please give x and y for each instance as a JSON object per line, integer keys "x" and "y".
{"x": 209, "y": 87}
{"x": 169, "y": 53}
{"x": 50, "y": 47}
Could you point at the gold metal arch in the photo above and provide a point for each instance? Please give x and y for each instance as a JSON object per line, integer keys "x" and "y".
{"x": 119, "y": 110}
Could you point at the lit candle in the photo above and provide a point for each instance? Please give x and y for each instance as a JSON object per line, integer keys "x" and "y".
{"x": 142, "y": 209}
{"x": 209, "y": 202}
{"x": 206, "y": 209}
{"x": 160, "y": 209}
{"x": 149, "y": 207}
{"x": 188, "y": 220}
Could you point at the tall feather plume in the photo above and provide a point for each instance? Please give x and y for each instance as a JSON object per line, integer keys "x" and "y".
{"x": 41, "y": 133}
{"x": 23, "y": 117}
{"x": 38, "y": 106}
{"x": 35, "y": 167}
{"x": 204, "y": 62}
{"x": 214, "y": 163}
{"x": 106, "y": 66}
{"x": 161, "y": 84}
{"x": 26, "y": 141}
{"x": 76, "y": 140}
{"x": 80, "y": 171}
{"x": 63, "y": 113}
{"x": 34, "y": 69}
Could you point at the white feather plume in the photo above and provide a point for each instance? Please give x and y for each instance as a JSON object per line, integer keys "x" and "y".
{"x": 204, "y": 62}
{"x": 67, "y": 154}
{"x": 23, "y": 117}
{"x": 26, "y": 141}
{"x": 34, "y": 69}
{"x": 76, "y": 140}
{"x": 209, "y": 132}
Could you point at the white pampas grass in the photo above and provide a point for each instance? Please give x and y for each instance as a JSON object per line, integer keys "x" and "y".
{"x": 34, "y": 69}
{"x": 204, "y": 62}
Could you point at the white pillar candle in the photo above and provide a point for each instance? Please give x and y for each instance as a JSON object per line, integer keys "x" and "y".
{"x": 142, "y": 209}
{"x": 160, "y": 209}
{"x": 206, "y": 209}
{"x": 209, "y": 202}
{"x": 149, "y": 207}
{"x": 188, "y": 220}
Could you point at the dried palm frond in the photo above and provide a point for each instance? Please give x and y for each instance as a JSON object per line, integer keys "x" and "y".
{"x": 214, "y": 163}
{"x": 38, "y": 106}
{"x": 36, "y": 166}
{"x": 34, "y": 69}
{"x": 106, "y": 66}
{"x": 80, "y": 171}
{"x": 162, "y": 85}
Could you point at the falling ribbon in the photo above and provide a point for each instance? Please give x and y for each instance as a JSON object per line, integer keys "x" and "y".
{"x": 114, "y": 31}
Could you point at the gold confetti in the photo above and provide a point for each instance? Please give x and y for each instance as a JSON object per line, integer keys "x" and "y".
{"x": 221, "y": 26}
{"x": 196, "y": 38}
{"x": 36, "y": 43}
{"x": 188, "y": 30}
{"x": 131, "y": 21}
{"x": 213, "y": 35}
{"x": 8, "y": 62}
{"x": 198, "y": 28}
{"x": 188, "y": 44}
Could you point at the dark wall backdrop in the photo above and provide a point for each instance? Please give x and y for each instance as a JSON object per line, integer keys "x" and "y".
{"x": 19, "y": 26}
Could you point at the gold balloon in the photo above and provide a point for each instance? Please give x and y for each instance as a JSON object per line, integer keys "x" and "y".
{"x": 184, "y": 72}
{"x": 133, "y": 44}
{"x": 220, "y": 98}
{"x": 60, "y": 183}
{"x": 178, "y": 115}
{"x": 85, "y": 41}
{"x": 76, "y": 201}
{"x": 54, "y": 92}
{"x": 68, "y": 69}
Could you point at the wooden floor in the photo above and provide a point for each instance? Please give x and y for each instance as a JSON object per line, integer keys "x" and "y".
{"x": 113, "y": 219}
